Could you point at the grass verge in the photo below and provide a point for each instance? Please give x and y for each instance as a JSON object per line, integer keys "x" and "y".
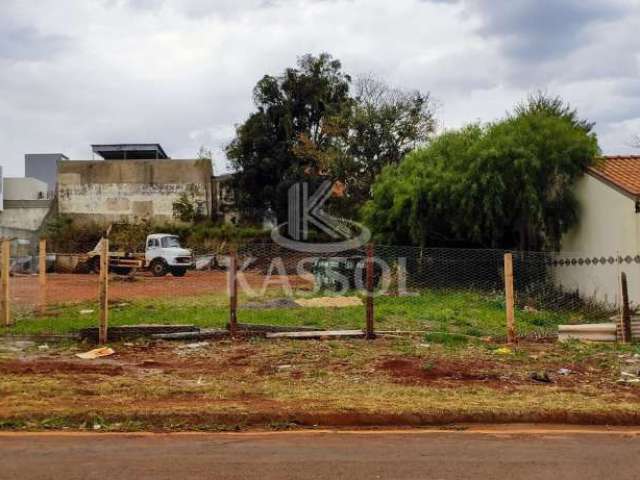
{"x": 282, "y": 384}
{"x": 467, "y": 313}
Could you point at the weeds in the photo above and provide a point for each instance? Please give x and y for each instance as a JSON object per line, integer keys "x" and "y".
{"x": 451, "y": 340}
{"x": 469, "y": 314}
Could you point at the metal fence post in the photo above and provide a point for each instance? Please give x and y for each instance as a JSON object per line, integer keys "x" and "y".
{"x": 509, "y": 298}
{"x": 233, "y": 292}
{"x": 104, "y": 292}
{"x": 6, "y": 267}
{"x": 370, "y": 332}
{"x": 626, "y": 312}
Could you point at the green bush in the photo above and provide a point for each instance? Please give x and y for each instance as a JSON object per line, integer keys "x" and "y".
{"x": 66, "y": 236}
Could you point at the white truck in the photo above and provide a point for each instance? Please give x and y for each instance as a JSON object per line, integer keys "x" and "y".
{"x": 163, "y": 254}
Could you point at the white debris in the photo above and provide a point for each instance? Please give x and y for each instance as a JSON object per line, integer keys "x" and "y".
{"x": 96, "y": 353}
{"x": 195, "y": 345}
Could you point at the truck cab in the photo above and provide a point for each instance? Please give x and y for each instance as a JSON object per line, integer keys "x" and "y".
{"x": 163, "y": 254}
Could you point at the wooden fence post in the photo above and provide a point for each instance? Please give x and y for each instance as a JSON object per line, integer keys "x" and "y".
{"x": 6, "y": 267}
{"x": 370, "y": 331}
{"x": 509, "y": 298}
{"x": 104, "y": 292}
{"x": 42, "y": 263}
{"x": 625, "y": 319}
{"x": 233, "y": 291}
{"x": 42, "y": 275}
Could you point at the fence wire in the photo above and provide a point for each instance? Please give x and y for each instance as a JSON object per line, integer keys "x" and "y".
{"x": 457, "y": 292}
{"x": 309, "y": 290}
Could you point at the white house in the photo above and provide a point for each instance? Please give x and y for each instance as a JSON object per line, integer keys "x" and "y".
{"x": 606, "y": 240}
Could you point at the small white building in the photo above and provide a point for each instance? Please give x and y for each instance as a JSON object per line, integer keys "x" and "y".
{"x": 606, "y": 240}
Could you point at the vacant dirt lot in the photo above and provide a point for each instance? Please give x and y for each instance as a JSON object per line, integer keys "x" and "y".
{"x": 75, "y": 288}
{"x": 280, "y": 384}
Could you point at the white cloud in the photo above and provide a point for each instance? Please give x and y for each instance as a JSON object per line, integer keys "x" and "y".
{"x": 181, "y": 72}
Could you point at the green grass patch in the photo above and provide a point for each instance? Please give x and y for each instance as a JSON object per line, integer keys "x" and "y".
{"x": 466, "y": 313}
{"x": 452, "y": 340}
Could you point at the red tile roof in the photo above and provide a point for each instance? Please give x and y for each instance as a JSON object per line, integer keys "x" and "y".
{"x": 620, "y": 171}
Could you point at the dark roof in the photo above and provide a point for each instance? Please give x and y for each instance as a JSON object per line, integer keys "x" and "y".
{"x": 622, "y": 172}
{"x": 130, "y": 151}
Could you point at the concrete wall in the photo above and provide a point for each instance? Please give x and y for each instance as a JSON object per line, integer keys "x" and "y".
{"x": 604, "y": 243}
{"x": 24, "y": 215}
{"x": 24, "y": 220}
{"x": 18, "y": 188}
{"x": 134, "y": 190}
{"x": 43, "y": 166}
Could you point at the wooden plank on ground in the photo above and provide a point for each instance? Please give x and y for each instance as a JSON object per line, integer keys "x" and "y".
{"x": 134, "y": 331}
{"x": 593, "y": 332}
{"x": 250, "y": 327}
{"x": 318, "y": 334}
{"x": 203, "y": 334}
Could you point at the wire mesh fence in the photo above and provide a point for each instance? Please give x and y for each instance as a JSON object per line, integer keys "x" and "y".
{"x": 457, "y": 292}
{"x": 308, "y": 290}
{"x": 441, "y": 290}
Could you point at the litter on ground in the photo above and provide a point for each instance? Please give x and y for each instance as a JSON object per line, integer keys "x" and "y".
{"x": 503, "y": 351}
{"x": 96, "y": 353}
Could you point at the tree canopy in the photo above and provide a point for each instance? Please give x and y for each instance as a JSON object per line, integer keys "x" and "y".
{"x": 506, "y": 184}
{"x": 293, "y": 111}
{"x": 383, "y": 125}
{"x": 309, "y": 124}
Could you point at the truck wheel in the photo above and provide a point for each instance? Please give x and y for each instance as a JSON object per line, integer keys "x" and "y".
{"x": 178, "y": 271}
{"x": 94, "y": 264}
{"x": 158, "y": 268}
{"x": 121, "y": 270}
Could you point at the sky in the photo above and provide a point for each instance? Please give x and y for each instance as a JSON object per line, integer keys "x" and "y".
{"x": 181, "y": 72}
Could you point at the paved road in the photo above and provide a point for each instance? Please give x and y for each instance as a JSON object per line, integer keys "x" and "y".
{"x": 420, "y": 455}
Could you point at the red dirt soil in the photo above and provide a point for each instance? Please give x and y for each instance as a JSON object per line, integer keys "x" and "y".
{"x": 45, "y": 367}
{"x": 416, "y": 371}
{"x": 76, "y": 288}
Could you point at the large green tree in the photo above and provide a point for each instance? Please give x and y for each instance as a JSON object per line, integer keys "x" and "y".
{"x": 507, "y": 184}
{"x": 311, "y": 123}
{"x": 291, "y": 134}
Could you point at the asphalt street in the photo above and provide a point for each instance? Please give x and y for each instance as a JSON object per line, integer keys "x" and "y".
{"x": 509, "y": 453}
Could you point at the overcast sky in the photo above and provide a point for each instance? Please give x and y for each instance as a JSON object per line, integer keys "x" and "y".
{"x": 180, "y": 72}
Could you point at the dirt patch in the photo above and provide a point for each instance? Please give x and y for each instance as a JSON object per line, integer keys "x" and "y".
{"x": 152, "y": 364}
{"x": 234, "y": 384}
{"x": 274, "y": 415}
{"x": 417, "y": 370}
{"x": 322, "y": 302}
{"x": 76, "y": 288}
{"x": 42, "y": 367}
